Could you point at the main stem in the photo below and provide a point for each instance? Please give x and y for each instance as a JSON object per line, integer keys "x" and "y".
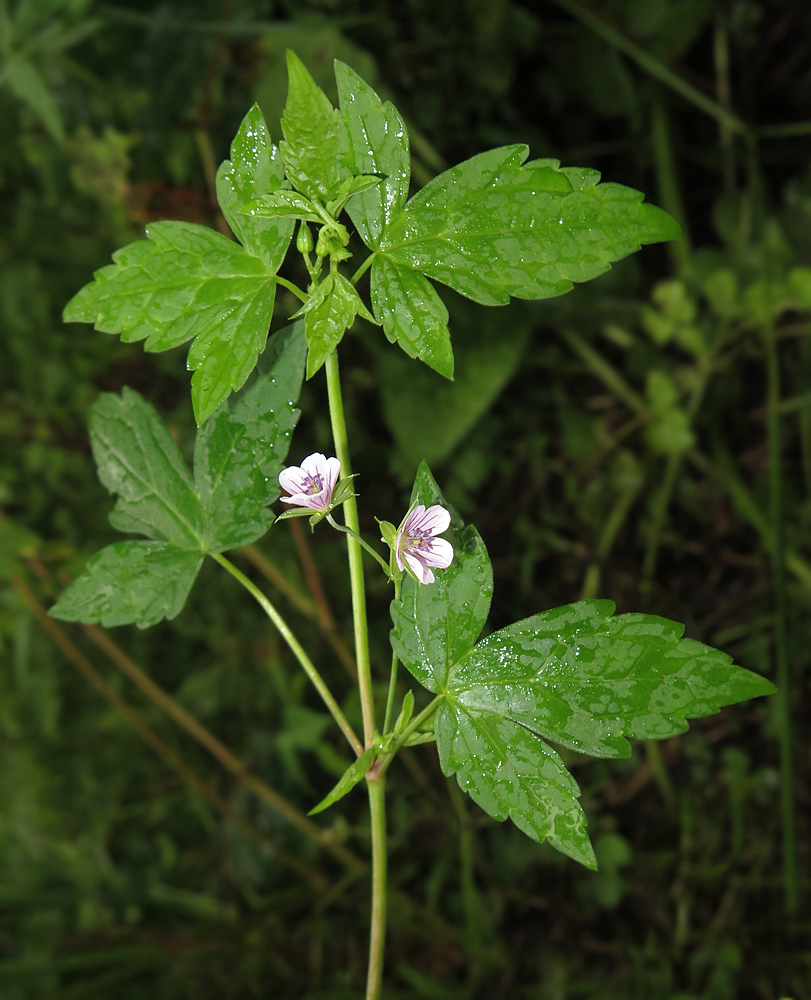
{"x": 357, "y": 585}
{"x": 377, "y": 936}
{"x": 376, "y": 783}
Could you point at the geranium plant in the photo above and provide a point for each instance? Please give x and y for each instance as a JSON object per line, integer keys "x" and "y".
{"x": 490, "y": 228}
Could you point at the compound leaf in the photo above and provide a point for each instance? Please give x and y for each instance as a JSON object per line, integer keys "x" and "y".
{"x": 254, "y": 170}
{"x": 411, "y": 313}
{"x": 311, "y": 148}
{"x": 375, "y": 141}
{"x": 240, "y": 451}
{"x": 495, "y": 226}
{"x": 575, "y": 675}
{"x": 186, "y": 281}
{"x": 511, "y": 773}
{"x": 585, "y": 679}
{"x": 138, "y": 459}
{"x": 132, "y": 582}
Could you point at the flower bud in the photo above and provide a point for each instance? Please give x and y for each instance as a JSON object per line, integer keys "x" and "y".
{"x": 304, "y": 239}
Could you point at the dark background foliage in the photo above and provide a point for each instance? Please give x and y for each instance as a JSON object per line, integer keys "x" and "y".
{"x": 609, "y": 443}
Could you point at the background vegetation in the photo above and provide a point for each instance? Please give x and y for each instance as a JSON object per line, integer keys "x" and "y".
{"x": 645, "y": 438}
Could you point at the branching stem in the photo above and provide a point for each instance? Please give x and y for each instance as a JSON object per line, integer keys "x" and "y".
{"x": 297, "y": 649}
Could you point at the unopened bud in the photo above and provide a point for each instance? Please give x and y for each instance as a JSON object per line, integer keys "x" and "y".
{"x": 304, "y": 240}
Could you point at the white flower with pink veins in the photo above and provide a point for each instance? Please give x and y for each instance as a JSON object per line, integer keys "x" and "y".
{"x": 312, "y": 484}
{"x": 416, "y": 545}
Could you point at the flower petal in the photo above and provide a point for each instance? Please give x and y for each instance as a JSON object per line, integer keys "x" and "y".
{"x": 398, "y": 541}
{"x": 421, "y": 571}
{"x": 409, "y": 526}
{"x": 332, "y": 471}
{"x": 292, "y": 479}
{"x": 315, "y": 465}
{"x": 435, "y": 520}
{"x": 303, "y": 500}
{"x": 439, "y": 553}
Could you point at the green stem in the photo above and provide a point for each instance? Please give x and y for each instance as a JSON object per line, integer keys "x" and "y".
{"x": 393, "y": 675}
{"x": 364, "y": 267}
{"x": 357, "y": 585}
{"x": 361, "y": 541}
{"x": 297, "y": 649}
{"x": 415, "y": 723}
{"x": 377, "y": 936}
{"x": 783, "y": 677}
{"x": 291, "y": 288}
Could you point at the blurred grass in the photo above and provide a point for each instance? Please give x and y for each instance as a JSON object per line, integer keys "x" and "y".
{"x": 613, "y": 442}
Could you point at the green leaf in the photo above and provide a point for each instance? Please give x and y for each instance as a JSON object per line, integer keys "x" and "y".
{"x": 436, "y": 624}
{"x": 132, "y": 582}
{"x": 186, "y": 281}
{"x": 285, "y": 203}
{"x": 353, "y": 774}
{"x": 351, "y": 186}
{"x": 138, "y": 460}
{"x": 329, "y": 311}
{"x": 411, "y": 313}
{"x": 254, "y": 170}
{"x": 240, "y": 451}
{"x": 575, "y": 675}
{"x": 375, "y": 141}
{"x": 26, "y": 83}
{"x": 511, "y": 773}
{"x": 495, "y": 226}
{"x": 312, "y": 148}
{"x": 584, "y": 679}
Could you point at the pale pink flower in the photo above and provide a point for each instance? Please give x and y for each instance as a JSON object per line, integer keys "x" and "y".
{"x": 312, "y": 484}
{"x": 416, "y": 545}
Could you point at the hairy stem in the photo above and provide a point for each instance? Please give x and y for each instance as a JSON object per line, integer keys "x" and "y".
{"x": 357, "y": 585}
{"x": 377, "y": 935}
{"x": 297, "y": 649}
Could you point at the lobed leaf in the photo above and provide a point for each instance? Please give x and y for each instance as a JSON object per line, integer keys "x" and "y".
{"x": 585, "y": 679}
{"x": 328, "y": 313}
{"x": 494, "y": 227}
{"x": 240, "y": 451}
{"x": 238, "y": 456}
{"x": 131, "y": 582}
{"x": 138, "y": 459}
{"x": 312, "y": 148}
{"x": 280, "y": 204}
{"x": 411, "y": 313}
{"x": 511, "y": 773}
{"x": 574, "y": 675}
{"x": 255, "y": 170}
{"x": 186, "y": 281}
{"x": 374, "y": 141}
